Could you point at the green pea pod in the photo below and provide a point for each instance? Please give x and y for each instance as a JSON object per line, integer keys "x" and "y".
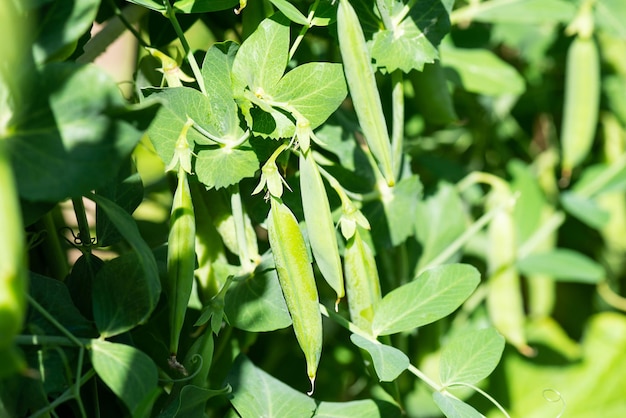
{"x": 295, "y": 275}
{"x": 320, "y": 226}
{"x": 13, "y": 271}
{"x": 357, "y": 65}
{"x": 504, "y": 300}
{"x": 181, "y": 257}
{"x": 582, "y": 101}
{"x": 432, "y": 95}
{"x": 362, "y": 282}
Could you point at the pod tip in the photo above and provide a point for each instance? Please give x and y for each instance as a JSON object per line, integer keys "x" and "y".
{"x": 312, "y": 379}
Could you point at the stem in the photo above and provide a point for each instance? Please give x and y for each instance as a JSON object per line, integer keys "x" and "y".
{"x": 552, "y": 224}
{"x": 602, "y": 179}
{"x": 485, "y": 394}
{"x": 27, "y": 339}
{"x": 54, "y": 322}
{"x": 384, "y": 14}
{"x": 122, "y": 17}
{"x": 83, "y": 225}
{"x": 397, "y": 133}
{"x": 65, "y": 396}
{"x": 171, "y": 15}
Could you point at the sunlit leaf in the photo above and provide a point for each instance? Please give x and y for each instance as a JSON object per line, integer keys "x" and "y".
{"x": 388, "y": 361}
{"x": 455, "y": 408}
{"x": 563, "y": 264}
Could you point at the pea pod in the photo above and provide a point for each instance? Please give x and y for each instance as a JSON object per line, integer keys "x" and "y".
{"x": 362, "y": 282}
{"x": 362, "y": 85}
{"x": 181, "y": 257}
{"x": 295, "y": 275}
{"x": 504, "y": 300}
{"x": 320, "y": 226}
{"x": 13, "y": 271}
{"x": 582, "y": 101}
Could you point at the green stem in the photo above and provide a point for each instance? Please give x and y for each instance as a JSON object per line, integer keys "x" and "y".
{"x": 54, "y": 322}
{"x": 26, "y": 339}
{"x": 397, "y": 133}
{"x": 240, "y": 229}
{"x": 552, "y": 224}
{"x": 122, "y": 17}
{"x": 64, "y": 397}
{"x": 485, "y": 394}
{"x": 171, "y": 15}
{"x": 384, "y": 14}
{"x": 602, "y": 179}
{"x": 84, "y": 234}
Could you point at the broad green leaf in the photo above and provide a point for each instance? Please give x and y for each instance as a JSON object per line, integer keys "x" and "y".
{"x": 224, "y": 166}
{"x": 290, "y": 11}
{"x": 521, "y": 11}
{"x": 389, "y": 218}
{"x": 470, "y": 356}
{"x": 564, "y": 265}
{"x": 80, "y": 282}
{"x": 439, "y": 221}
{"x": 481, "y": 71}
{"x": 128, "y": 372}
{"x": 211, "y": 114}
{"x": 433, "y": 295}
{"x": 413, "y": 41}
{"x": 258, "y": 394}
{"x": 203, "y": 6}
{"x": 143, "y": 287}
{"x": 191, "y": 402}
{"x": 613, "y": 87}
{"x": 257, "y": 304}
{"x": 455, "y": 408}
{"x": 369, "y": 408}
{"x": 586, "y": 210}
{"x": 155, "y": 5}
{"x": 60, "y": 25}
{"x": 73, "y": 123}
{"x": 388, "y": 361}
{"x": 314, "y": 89}
{"x": 262, "y": 58}
{"x": 610, "y": 16}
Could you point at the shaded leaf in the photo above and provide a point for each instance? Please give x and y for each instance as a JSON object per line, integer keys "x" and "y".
{"x": 433, "y": 295}
{"x": 224, "y": 166}
{"x": 362, "y": 408}
{"x": 563, "y": 264}
{"x": 585, "y": 209}
{"x": 455, "y": 408}
{"x": 128, "y": 372}
{"x": 191, "y": 402}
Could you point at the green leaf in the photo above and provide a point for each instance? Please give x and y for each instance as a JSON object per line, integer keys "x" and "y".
{"x": 613, "y": 87}
{"x": 203, "y": 6}
{"x": 258, "y": 394}
{"x": 455, "y": 408}
{"x": 60, "y": 25}
{"x": 157, "y": 6}
{"x": 470, "y": 356}
{"x": 137, "y": 274}
{"x": 480, "y": 71}
{"x": 223, "y": 166}
{"x": 290, "y": 11}
{"x": 73, "y": 123}
{"x": 612, "y": 180}
{"x": 369, "y": 408}
{"x": 530, "y": 203}
{"x": 191, "y": 402}
{"x": 262, "y": 58}
{"x": 563, "y": 265}
{"x": 257, "y": 304}
{"x": 314, "y": 89}
{"x": 439, "y": 222}
{"x": 412, "y": 42}
{"x": 585, "y": 209}
{"x": 128, "y": 372}
{"x": 388, "y": 361}
{"x": 523, "y": 11}
{"x": 433, "y": 295}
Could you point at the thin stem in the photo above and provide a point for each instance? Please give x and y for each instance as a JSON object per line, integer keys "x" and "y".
{"x": 26, "y": 339}
{"x": 417, "y": 372}
{"x": 485, "y": 394}
{"x": 120, "y": 15}
{"x": 297, "y": 41}
{"x": 397, "y": 133}
{"x": 602, "y": 179}
{"x": 240, "y": 229}
{"x": 384, "y": 14}
{"x": 171, "y": 15}
{"x": 64, "y": 397}
{"x": 54, "y": 322}
{"x": 552, "y": 224}
{"x": 83, "y": 225}
{"x": 76, "y": 386}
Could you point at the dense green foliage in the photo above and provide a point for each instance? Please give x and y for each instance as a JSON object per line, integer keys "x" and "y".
{"x": 299, "y": 208}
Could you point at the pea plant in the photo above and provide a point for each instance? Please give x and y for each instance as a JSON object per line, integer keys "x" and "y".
{"x": 313, "y": 208}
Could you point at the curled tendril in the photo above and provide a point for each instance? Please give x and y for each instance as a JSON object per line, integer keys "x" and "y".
{"x": 552, "y": 395}
{"x": 196, "y": 358}
{"x": 78, "y": 241}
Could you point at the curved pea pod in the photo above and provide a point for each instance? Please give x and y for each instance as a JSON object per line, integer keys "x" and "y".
{"x": 320, "y": 226}
{"x": 362, "y": 85}
{"x": 582, "y": 101}
{"x": 362, "y": 281}
{"x": 295, "y": 275}
{"x": 13, "y": 270}
{"x": 504, "y": 300}
{"x": 181, "y": 257}
{"x": 432, "y": 95}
